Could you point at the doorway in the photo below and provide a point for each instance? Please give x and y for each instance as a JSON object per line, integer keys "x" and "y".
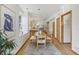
{"x": 53, "y": 28}
{"x": 58, "y": 28}
{"x": 66, "y": 29}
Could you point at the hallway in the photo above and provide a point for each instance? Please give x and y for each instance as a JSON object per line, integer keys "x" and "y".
{"x": 39, "y": 29}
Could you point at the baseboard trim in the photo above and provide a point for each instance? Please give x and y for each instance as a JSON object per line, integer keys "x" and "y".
{"x": 66, "y": 43}
{"x": 75, "y": 52}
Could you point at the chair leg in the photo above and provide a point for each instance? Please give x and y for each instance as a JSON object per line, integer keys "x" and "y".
{"x": 45, "y": 45}
{"x": 37, "y": 45}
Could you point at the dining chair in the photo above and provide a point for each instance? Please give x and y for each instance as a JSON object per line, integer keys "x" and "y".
{"x": 41, "y": 40}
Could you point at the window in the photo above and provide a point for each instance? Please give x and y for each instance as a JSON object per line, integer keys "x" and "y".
{"x": 23, "y": 24}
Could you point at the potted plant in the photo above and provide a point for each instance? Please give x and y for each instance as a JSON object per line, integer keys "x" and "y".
{"x": 6, "y": 46}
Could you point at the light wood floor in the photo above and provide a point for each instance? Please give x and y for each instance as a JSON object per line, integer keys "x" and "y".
{"x": 23, "y": 48}
{"x": 63, "y": 48}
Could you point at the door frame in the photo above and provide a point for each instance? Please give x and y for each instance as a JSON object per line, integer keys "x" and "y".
{"x": 62, "y": 27}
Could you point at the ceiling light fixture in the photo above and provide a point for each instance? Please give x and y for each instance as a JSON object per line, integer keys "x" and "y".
{"x": 38, "y": 9}
{"x": 27, "y": 8}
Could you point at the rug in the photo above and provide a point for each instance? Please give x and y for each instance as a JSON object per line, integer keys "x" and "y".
{"x": 49, "y": 50}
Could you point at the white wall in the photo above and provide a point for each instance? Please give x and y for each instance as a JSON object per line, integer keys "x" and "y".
{"x": 75, "y": 28}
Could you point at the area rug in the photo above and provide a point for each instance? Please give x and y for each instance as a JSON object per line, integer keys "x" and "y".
{"x": 49, "y": 50}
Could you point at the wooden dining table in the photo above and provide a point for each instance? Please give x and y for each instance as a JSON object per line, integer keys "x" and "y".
{"x": 39, "y": 39}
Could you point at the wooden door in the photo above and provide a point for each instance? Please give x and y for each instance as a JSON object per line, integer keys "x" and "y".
{"x": 54, "y": 28}
{"x": 62, "y": 26}
{"x": 58, "y": 28}
{"x": 47, "y": 26}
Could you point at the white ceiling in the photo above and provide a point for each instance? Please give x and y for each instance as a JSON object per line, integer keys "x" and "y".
{"x": 46, "y": 10}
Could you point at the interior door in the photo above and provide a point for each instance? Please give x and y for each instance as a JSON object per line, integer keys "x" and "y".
{"x": 66, "y": 27}
{"x": 58, "y": 28}
{"x": 54, "y": 28}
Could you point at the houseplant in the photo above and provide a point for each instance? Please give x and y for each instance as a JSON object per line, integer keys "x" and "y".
{"x": 6, "y": 46}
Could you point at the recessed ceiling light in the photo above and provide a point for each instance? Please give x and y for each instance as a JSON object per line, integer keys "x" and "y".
{"x": 38, "y": 9}
{"x": 27, "y": 8}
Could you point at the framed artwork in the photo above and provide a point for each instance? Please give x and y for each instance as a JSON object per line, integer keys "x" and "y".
{"x": 7, "y": 20}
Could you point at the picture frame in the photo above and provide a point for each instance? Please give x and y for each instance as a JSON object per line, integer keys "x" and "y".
{"x": 7, "y": 17}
